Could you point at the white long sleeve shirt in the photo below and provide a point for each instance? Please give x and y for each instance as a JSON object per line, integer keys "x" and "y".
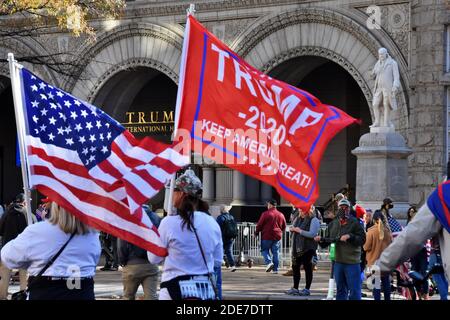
{"x": 39, "y": 242}
{"x": 185, "y": 257}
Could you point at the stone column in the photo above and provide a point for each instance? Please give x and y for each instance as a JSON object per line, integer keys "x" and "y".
{"x": 208, "y": 184}
{"x": 265, "y": 192}
{"x": 224, "y": 185}
{"x": 239, "y": 193}
{"x": 252, "y": 195}
{"x": 382, "y": 170}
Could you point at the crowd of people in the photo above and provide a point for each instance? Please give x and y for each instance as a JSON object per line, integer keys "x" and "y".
{"x": 359, "y": 241}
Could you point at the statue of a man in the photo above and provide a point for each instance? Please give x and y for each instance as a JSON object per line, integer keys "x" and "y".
{"x": 387, "y": 83}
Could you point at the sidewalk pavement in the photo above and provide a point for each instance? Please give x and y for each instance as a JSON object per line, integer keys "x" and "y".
{"x": 244, "y": 284}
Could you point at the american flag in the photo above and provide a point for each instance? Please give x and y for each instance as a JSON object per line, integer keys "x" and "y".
{"x": 394, "y": 225}
{"x": 89, "y": 164}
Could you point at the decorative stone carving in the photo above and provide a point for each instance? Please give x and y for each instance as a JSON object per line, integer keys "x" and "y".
{"x": 228, "y": 30}
{"x": 180, "y": 9}
{"x": 144, "y": 30}
{"x": 302, "y": 16}
{"x": 396, "y": 21}
{"x": 129, "y": 64}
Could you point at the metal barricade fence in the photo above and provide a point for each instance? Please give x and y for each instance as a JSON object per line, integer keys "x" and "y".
{"x": 248, "y": 246}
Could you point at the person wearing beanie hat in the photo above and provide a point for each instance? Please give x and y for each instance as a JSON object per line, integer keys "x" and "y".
{"x": 360, "y": 211}
{"x": 194, "y": 243}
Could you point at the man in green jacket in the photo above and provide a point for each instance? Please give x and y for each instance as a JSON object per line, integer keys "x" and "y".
{"x": 348, "y": 235}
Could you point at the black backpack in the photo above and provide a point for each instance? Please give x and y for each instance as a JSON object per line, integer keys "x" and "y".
{"x": 229, "y": 227}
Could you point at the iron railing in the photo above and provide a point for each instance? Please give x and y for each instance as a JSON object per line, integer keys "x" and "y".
{"x": 248, "y": 246}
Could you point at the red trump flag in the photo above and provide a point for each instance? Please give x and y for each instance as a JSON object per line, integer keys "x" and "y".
{"x": 248, "y": 121}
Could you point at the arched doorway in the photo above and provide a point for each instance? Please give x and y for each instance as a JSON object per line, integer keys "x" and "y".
{"x": 11, "y": 177}
{"x": 142, "y": 99}
{"x": 333, "y": 85}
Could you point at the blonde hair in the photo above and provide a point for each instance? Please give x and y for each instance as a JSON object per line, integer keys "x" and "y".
{"x": 66, "y": 221}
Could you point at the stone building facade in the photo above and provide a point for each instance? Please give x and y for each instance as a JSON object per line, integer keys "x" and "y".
{"x": 325, "y": 47}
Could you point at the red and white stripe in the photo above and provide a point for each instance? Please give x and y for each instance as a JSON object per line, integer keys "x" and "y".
{"x": 109, "y": 196}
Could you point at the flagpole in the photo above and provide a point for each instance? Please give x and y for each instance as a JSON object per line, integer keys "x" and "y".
{"x": 20, "y": 124}
{"x": 189, "y": 12}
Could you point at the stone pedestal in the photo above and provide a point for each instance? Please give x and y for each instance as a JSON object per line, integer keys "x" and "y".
{"x": 382, "y": 170}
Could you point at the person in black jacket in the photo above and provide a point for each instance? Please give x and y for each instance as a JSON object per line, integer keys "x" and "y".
{"x": 12, "y": 223}
{"x": 136, "y": 269}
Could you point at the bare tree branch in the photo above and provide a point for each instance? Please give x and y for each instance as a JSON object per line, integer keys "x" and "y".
{"x": 30, "y": 19}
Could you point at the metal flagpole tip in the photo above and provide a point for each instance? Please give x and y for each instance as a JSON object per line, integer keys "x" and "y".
{"x": 191, "y": 9}
{"x": 10, "y": 56}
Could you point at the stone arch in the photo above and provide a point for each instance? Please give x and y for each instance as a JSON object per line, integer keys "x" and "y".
{"x": 320, "y": 32}
{"x": 26, "y": 47}
{"x": 125, "y": 47}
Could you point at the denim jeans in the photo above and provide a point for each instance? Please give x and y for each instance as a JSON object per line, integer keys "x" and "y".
{"x": 348, "y": 281}
{"x": 228, "y": 250}
{"x": 419, "y": 263}
{"x": 273, "y": 246}
{"x": 386, "y": 286}
{"x": 439, "y": 278}
{"x": 218, "y": 274}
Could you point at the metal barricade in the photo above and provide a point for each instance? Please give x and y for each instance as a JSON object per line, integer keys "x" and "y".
{"x": 247, "y": 246}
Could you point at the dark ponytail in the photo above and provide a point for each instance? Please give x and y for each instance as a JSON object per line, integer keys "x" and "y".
{"x": 186, "y": 211}
{"x": 189, "y": 204}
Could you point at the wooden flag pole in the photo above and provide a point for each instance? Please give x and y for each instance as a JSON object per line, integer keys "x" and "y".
{"x": 16, "y": 86}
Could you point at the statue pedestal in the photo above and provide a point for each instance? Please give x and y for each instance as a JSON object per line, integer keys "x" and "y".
{"x": 382, "y": 170}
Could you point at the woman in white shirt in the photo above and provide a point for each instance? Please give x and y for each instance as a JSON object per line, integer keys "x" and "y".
{"x": 178, "y": 235}
{"x": 70, "y": 276}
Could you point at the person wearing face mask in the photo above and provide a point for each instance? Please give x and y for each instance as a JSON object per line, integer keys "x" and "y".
{"x": 348, "y": 235}
{"x": 393, "y": 225}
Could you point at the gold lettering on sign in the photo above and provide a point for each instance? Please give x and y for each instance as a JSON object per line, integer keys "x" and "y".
{"x": 130, "y": 115}
{"x": 154, "y": 116}
{"x": 152, "y": 122}
{"x": 141, "y": 117}
{"x": 168, "y": 117}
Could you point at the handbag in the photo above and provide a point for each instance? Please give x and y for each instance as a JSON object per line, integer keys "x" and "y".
{"x": 23, "y": 294}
